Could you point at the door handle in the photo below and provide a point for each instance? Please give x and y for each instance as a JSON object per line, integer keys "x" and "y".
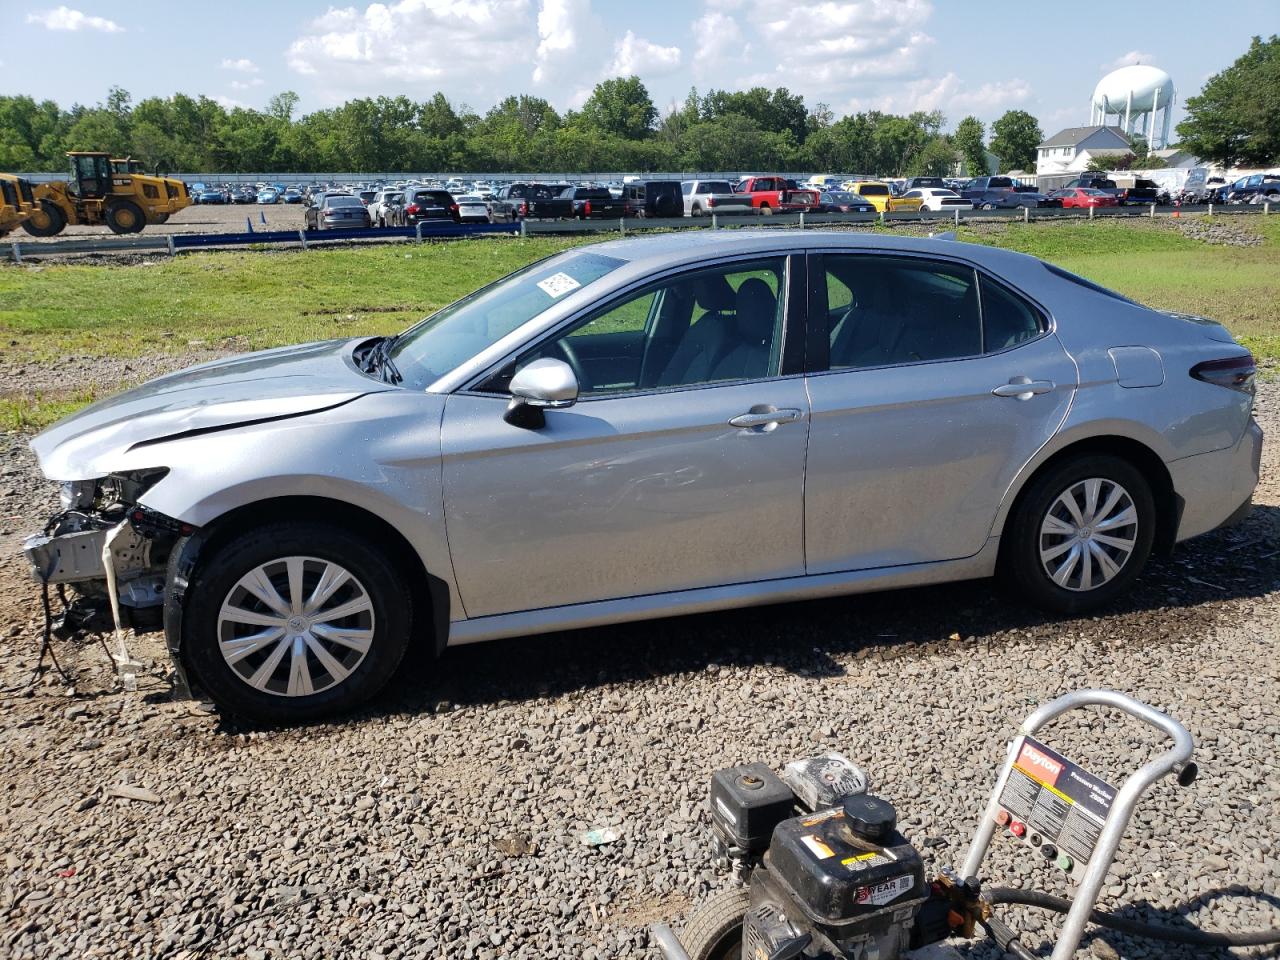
{"x": 1023, "y": 388}
{"x": 764, "y": 418}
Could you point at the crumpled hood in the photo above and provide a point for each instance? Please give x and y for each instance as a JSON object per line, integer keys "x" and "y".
{"x": 271, "y": 384}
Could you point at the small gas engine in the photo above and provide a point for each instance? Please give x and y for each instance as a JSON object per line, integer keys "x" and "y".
{"x": 829, "y": 874}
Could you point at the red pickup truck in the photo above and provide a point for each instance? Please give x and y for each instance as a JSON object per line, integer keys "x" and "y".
{"x": 777, "y": 195}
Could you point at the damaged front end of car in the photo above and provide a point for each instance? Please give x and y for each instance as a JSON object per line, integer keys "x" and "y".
{"x": 105, "y": 555}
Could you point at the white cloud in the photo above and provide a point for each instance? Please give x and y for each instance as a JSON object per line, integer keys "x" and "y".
{"x": 229, "y": 103}
{"x": 635, "y": 55}
{"x": 453, "y": 45}
{"x": 949, "y": 93}
{"x": 1127, "y": 60}
{"x": 243, "y": 65}
{"x": 64, "y": 18}
{"x": 570, "y": 38}
{"x": 246, "y": 84}
{"x": 718, "y": 41}
{"x": 860, "y": 46}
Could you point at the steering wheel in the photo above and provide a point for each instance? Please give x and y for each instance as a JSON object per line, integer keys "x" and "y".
{"x": 570, "y": 356}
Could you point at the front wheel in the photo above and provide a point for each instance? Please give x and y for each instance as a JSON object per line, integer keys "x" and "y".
{"x": 294, "y": 621}
{"x": 48, "y": 220}
{"x": 125, "y": 216}
{"x": 714, "y": 930}
{"x": 1081, "y": 534}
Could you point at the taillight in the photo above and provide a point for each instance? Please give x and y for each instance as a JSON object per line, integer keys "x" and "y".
{"x": 524, "y": 209}
{"x": 1234, "y": 373}
{"x": 711, "y": 202}
{"x": 453, "y": 208}
{"x": 586, "y": 209}
{"x": 411, "y": 208}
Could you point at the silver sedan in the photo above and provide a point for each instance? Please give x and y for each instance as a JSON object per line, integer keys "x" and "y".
{"x": 643, "y": 428}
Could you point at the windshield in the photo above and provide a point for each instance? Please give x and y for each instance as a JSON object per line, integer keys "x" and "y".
{"x": 873, "y": 189}
{"x": 715, "y": 186}
{"x": 452, "y": 336}
{"x": 342, "y": 202}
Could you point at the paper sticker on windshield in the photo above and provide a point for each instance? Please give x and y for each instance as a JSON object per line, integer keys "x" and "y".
{"x": 558, "y": 284}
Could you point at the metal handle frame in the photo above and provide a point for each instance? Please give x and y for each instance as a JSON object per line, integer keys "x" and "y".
{"x": 1171, "y": 761}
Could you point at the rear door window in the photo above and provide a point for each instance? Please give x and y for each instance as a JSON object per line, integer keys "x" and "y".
{"x": 900, "y": 310}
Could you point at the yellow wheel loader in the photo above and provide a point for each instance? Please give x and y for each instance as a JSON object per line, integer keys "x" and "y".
{"x": 98, "y": 193}
{"x": 17, "y": 201}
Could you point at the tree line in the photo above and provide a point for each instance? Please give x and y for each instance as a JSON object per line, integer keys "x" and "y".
{"x": 617, "y": 128}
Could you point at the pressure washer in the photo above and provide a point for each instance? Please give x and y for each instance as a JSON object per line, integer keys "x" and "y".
{"x": 823, "y": 872}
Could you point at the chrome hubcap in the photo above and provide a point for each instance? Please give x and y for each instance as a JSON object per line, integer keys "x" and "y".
{"x": 295, "y": 626}
{"x": 1088, "y": 534}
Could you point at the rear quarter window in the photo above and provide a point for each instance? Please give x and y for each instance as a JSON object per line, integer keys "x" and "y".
{"x": 1007, "y": 319}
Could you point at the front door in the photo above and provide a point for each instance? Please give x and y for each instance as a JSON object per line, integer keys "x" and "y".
{"x": 920, "y": 424}
{"x": 653, "y": 481}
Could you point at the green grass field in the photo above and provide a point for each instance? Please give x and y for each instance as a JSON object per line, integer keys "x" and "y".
{"x": 253, "y": 299}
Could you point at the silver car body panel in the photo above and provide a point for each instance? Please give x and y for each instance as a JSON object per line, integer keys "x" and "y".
{"x": 649, "y": 505}
{"x": 618, "y": 496}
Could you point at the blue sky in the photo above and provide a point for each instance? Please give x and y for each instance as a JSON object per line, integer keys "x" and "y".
{"x": 959, "y": 56}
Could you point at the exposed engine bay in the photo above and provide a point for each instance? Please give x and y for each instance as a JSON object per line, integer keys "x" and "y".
{"x": 106, "y": 555}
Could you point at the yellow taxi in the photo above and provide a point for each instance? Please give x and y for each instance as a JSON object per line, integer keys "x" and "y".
{"x": 881, "y": 197}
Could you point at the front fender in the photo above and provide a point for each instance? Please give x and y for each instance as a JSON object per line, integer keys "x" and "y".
{"x": 380, "y": 454}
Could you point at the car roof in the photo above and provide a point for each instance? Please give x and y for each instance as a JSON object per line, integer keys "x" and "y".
{"x": 647, "y": 253}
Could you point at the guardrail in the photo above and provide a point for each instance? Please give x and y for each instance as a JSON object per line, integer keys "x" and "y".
{"x": 174, "y": 243}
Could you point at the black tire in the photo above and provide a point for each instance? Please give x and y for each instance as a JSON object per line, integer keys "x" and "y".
{"x": 1021, "y": 564}
{"x": 162, "y": 218}
{"x": 216, "y": 577}
{"x": 714, "y": 929}
{"x": 766, "y": 210}
{"x": 125, "y": 216}
{"x": 988, "y": 206}
{"x": 48, "y": 221}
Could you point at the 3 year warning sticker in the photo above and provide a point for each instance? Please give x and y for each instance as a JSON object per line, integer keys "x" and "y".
{"x": 1056, "y": 801}
{"x": 558, "y": 284}
{"x": 881, "y": 893}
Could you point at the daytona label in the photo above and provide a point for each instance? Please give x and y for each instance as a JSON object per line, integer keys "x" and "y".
{"x": 878, "y": 894}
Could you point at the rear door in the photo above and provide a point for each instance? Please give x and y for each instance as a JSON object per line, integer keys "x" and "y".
{"x": 918, "y": 426}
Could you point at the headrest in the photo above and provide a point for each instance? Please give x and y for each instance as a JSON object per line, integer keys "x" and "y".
{"x": 755, "y": 310}
{"x": 713, "y": 293}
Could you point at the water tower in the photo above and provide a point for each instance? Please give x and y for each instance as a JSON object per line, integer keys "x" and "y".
{"x": 1133, "y": 96}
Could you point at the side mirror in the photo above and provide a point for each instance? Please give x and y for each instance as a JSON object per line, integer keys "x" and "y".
{"x": 545, "y": 384}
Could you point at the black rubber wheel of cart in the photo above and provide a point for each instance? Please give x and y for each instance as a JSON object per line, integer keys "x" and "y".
{"x": 714, "y": 930}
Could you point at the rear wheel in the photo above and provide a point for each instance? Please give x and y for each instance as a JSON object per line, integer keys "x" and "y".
{"x": 1081, "y": 534}
{"x": 125, "y": 216}
{"x": 48, "y": 220}
{"x": 162, "y": 218}
{"x": 714, "y": 930}
{"x": 988, "y": 206}
{"x": 295, "y": 621}
{"x": 766, "y": 210}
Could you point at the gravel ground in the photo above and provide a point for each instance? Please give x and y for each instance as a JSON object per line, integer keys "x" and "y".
{"x": 445, "y": 822}
{"x": 198, "y": 218}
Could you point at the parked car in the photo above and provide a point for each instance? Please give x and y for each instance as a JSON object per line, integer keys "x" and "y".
{"x": 426, "y": 205}
{"x": 245, "y": 195}
{"x": 705, "y": 197}
{"x": 1085, "y": 197}
{"x": 877, "y": 193}
{"x": 518, "y": 201}
{"x": 924, "y": 183}
{"x": 366, "y": 196}
{"x": 938, "y": 199}
{"x": 1143, "y": 191}
{"x": 268, "y": 195}
{"x": 596, "y": 203}
{"x": 989, "y": 193}
{"x": 654, "y": 198}
{"x": 842, "y": 201}
{"x": 966, "y": 410}
{"x": 1256, "y": 186}
{"x": 214, "y": 195}
{"x": 470, "y": 208}
{"x": 771, "y": 195}
{"x": 291, "y": 195}
{"x": 376, "y": 206}
{"x": 337, "y": 211}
